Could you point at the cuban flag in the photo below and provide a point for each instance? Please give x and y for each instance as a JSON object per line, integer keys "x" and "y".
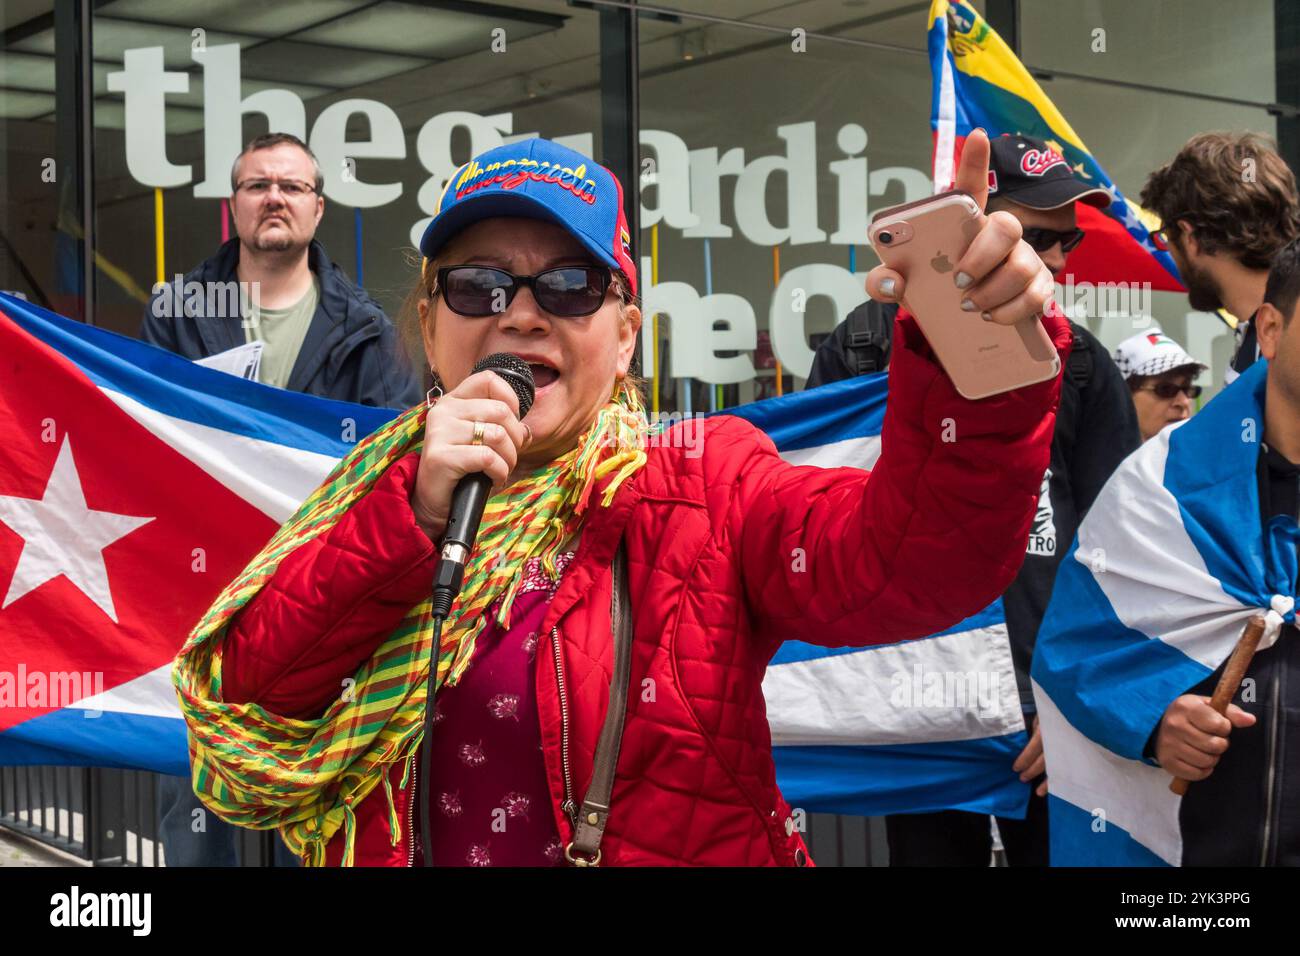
{"x": 979, "y": 82}
{"x": 133, "y": 486}
{"x": 931, "y": 724}
{"x": 1166, "y": 569}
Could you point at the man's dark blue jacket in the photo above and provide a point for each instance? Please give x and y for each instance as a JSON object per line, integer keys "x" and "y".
{"x": 350, "y": 352}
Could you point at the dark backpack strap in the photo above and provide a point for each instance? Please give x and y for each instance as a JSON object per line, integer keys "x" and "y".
{"x": 1079, "y": 366}
{"x": 868, "y": 331}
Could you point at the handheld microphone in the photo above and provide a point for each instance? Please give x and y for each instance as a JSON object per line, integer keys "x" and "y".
{"x": 471, "y": 492}
{"x": 467, "y": 503}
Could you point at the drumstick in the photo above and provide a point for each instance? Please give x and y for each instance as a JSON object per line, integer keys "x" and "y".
{"x": 1232, "y": 677}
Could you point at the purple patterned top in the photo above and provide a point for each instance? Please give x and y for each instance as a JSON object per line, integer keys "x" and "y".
{"x": 491, "y": 804}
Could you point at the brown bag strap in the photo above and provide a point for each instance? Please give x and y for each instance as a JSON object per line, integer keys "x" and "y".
{"x": 585, "y": 848}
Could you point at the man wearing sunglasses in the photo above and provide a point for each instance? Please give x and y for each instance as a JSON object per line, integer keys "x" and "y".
{"x": 1159, "y": 374}
{"x": 1027, "y": 179}
{"x": 1096, "y": 428}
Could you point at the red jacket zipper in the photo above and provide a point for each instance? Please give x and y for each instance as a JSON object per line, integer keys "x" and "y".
{"x": 569, "y": 807}
{"x": 410, "y": 811}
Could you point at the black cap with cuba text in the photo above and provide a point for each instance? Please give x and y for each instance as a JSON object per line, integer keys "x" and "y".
{"x": 1030, "y": 173}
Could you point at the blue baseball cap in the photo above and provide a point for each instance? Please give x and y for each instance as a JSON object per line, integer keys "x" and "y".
{"x": 538, "y": 179}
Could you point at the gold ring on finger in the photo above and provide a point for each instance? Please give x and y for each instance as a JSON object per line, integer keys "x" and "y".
{"x": 479, "y": 430}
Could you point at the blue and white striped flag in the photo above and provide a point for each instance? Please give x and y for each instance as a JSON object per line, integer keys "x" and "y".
{"x": 1168, "y": 566}
{"x": 931, "y": 724}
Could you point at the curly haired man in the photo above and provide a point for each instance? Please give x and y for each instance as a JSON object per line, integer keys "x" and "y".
{"x": 1228, "y": 204}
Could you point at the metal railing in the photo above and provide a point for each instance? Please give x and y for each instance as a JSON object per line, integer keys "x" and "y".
{"x": 110, "y": 818}
{"x": 48, "y": 804}
{"x": 835, "y": 840}
{"x": 105, "y": 817}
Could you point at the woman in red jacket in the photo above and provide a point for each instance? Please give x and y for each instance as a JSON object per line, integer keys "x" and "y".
{"x": 304, "y": 686}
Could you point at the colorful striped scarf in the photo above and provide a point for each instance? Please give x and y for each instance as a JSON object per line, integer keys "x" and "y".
{"x": 260, "y": 770}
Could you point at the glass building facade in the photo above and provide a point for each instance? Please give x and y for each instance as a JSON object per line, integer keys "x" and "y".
{"x": 756, "y": 139}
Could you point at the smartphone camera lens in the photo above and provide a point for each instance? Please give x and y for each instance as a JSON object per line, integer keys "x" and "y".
{"x": 886, "y": 237}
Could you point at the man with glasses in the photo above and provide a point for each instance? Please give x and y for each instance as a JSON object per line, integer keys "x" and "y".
{"x": 1044, "y": 192}
{"x": 321, "y": 335}
{"x": 1159, "y": 374}
{"x": 1228, "y": 204}
{"x": 1096, "y": 428}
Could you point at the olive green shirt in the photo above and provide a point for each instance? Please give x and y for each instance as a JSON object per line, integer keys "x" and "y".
{"x": 282, "y": 331}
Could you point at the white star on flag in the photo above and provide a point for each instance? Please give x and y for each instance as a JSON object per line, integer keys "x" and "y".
{"x": 62, "y": 536}
{"x": 1131, "y": 218}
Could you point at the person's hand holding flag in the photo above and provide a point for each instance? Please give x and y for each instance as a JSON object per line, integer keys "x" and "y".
{"x": 1193, "y": 736}
{"x": 1031, "y": 764}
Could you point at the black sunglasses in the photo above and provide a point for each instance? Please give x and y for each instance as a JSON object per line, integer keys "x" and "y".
{"x": 1170, "y": 390}
{"x": 567, "y": 291}
{"x": 1043, "y": 239}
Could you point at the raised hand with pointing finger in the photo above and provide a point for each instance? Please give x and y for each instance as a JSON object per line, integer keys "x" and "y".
{"x": 999, "y": 273}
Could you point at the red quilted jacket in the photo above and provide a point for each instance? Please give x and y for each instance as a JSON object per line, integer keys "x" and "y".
{"x": 933, "y": 534}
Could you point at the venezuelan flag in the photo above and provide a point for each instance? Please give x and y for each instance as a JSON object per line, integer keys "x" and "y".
{"x": 978, "y": 82}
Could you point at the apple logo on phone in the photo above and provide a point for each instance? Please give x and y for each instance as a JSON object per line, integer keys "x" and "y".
{"x": 940, "y": 263}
